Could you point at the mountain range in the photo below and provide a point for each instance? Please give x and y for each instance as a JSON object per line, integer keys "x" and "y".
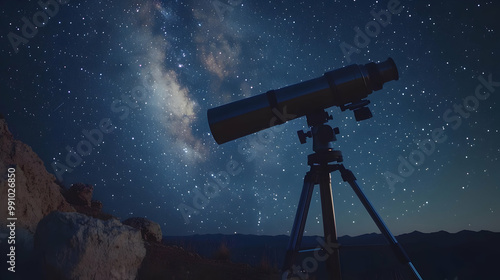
{"x": 439, "y": 255}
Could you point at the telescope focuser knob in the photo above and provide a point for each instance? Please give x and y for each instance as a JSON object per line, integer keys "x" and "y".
{"x": 303, "y": 136}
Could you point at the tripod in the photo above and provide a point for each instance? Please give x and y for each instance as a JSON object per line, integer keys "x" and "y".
{"x": 320, "y": 162}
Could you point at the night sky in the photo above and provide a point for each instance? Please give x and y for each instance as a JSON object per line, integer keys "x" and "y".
{"x": 115, "y": 94}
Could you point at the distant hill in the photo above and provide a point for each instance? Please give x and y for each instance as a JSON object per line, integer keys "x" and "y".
{"x": 440, "y": 255}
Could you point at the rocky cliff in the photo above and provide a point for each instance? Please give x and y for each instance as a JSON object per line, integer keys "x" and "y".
{"x": 60, "y": 233}
{"x": 37, "y": 194}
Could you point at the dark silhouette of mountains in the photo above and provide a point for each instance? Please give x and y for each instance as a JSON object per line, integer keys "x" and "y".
{"x": 439, "y": 255}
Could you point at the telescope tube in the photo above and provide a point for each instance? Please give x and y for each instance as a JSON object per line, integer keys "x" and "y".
{"x": 335, "y": 88}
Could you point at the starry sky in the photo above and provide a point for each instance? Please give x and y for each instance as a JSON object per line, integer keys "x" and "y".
{"x": 115, "y": 93}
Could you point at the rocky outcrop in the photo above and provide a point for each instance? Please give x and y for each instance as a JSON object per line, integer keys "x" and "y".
{"x": 75, "y": 246}
{"x": 80, "y": 194}
{"x": 80, "y": 197}
{"x": 150, "y": 230}
{"x": 37, "y": 194}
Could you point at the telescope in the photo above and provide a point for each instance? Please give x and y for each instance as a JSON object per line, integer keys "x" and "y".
{"x": 345, "y": 87}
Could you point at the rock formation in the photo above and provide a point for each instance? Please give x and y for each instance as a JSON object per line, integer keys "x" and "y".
{"x": 75, "y": 246}
{"x": 80, "y": 197}
{"x": 150, "y": 230}
{"x": 37, "y": 194}
{"x": 80, "y": 194}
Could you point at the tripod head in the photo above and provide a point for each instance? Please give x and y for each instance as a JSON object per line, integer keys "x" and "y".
{"x": 323, "y": 136}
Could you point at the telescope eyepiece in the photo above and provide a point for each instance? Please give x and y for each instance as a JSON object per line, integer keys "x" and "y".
{"x": 381, "y": 73}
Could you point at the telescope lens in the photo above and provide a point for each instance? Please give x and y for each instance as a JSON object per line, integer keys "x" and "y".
{"x": 388, "y": 70}
{"x": 381, "y": 73}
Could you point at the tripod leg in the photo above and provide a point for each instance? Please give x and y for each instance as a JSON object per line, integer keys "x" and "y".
{"x": 349, "y": 177}
{"x": 329, "y": 225}
{"x": 299, "y": 223}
